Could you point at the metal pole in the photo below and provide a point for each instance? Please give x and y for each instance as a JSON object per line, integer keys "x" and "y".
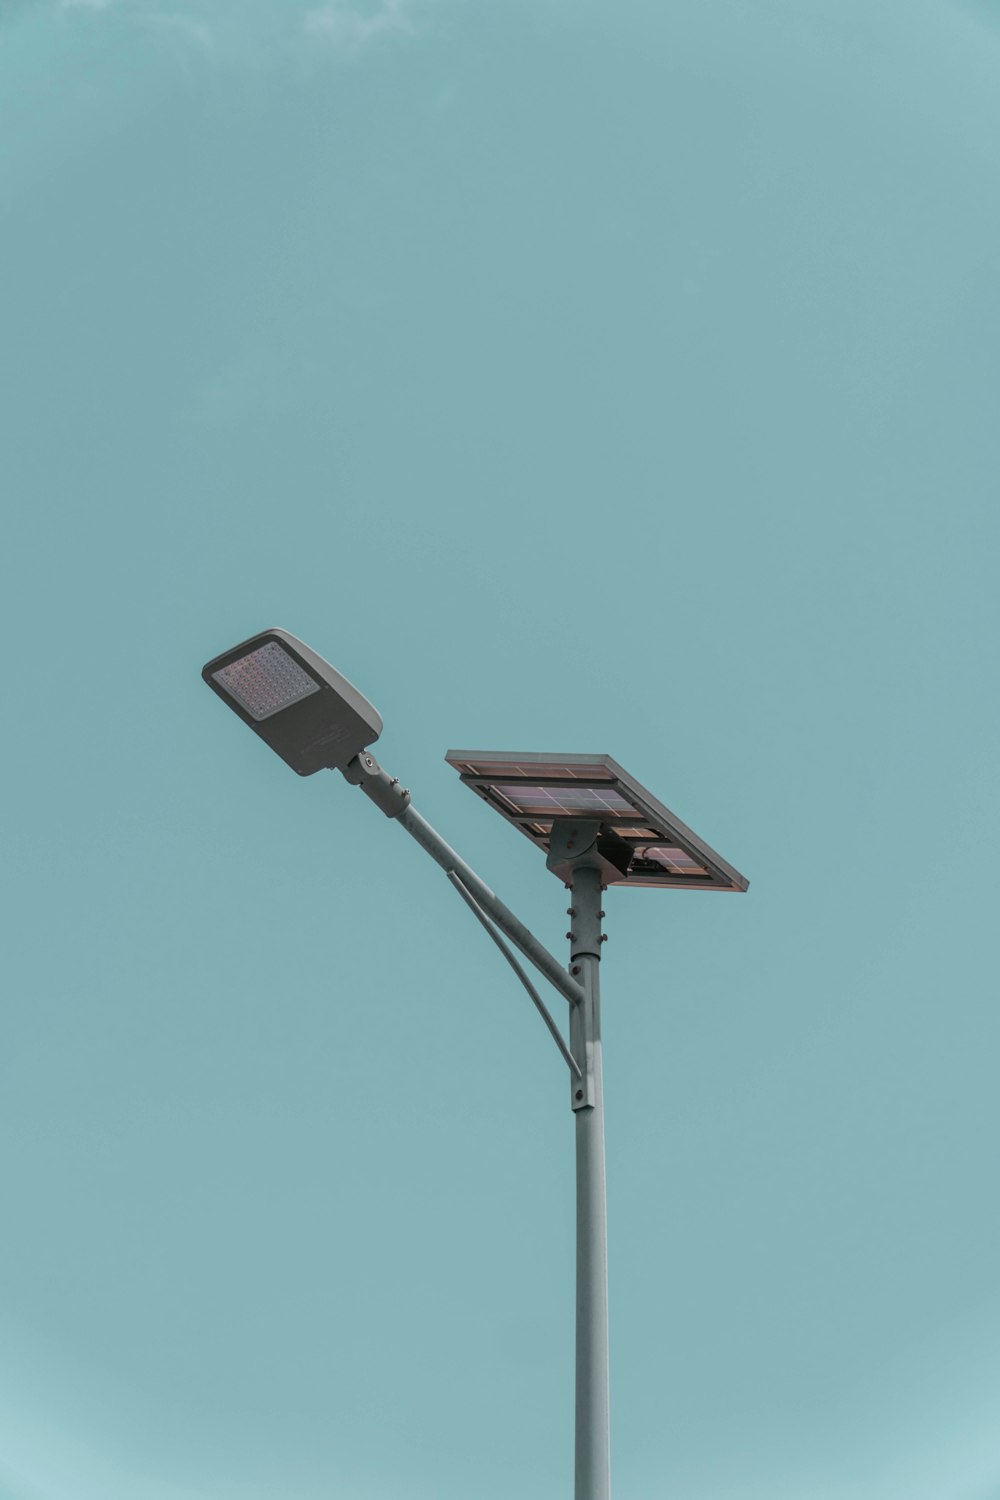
{"x": 593, "y": 1442}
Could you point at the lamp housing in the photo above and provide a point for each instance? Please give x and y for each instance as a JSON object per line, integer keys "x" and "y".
{"x": 295, "y": 701}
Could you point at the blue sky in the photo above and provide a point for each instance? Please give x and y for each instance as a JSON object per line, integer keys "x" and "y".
{"x": 580, "y": 378}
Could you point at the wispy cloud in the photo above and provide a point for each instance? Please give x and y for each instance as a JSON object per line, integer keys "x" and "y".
{"x": 351, "y": 26}
{"x": 257, "y": 30}
{"x": 188, "y": 25}
{"x": 184, "y": 26}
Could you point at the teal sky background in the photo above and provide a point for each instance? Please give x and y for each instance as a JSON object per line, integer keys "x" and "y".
{"x": 578, "y": 377}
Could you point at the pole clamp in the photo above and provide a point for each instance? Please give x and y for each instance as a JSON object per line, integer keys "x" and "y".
{"x": 381, "y": 788}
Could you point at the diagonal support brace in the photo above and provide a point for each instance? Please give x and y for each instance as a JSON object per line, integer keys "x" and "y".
{"x": 504, "y": 918}
{"x": 540, "y": 1005}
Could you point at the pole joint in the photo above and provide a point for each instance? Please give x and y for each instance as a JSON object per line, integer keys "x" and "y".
{"x": 381, "y": 788}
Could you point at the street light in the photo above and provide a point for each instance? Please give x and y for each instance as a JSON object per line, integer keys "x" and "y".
{"x": 295, "y": 701}
{"x": 597, "y": 826}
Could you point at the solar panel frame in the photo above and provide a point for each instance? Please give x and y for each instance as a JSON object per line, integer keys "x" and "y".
{"x": 594, "y": 772}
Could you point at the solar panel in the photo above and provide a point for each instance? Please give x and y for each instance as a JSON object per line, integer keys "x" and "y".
{"x": 533, "y": 791}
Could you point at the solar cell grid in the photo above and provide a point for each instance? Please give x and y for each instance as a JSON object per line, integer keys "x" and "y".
{"x": 531, "y": 770}
{"x": 677, "y": 860}
{"x": 564, "y": 799}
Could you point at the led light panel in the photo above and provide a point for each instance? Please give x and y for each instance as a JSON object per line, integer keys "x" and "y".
{"x": 533, "y": 791}
{"x": 266, "y": 680}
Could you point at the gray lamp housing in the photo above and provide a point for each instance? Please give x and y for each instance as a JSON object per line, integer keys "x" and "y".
{"x": 295, "y": 701}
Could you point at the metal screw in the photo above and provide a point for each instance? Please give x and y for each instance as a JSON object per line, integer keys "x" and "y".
{"x": 579, "y": 1093}
{"x": 574, "y": 969}
{"x": 571, "y": 935}
{"x": 602, "y": 913}
{"x": 571, "y": 911}
{"x": 395, "y": 782}
{"x": 603, "y": 938}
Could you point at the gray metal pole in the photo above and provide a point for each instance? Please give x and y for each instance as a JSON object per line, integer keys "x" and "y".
{"x": 593, "y": 1441}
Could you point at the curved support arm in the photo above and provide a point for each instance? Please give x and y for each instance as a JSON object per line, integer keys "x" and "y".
{"x": 505, "y": 919}
{"x": 540, "y": 1006}
{"x": 394, "y": 800}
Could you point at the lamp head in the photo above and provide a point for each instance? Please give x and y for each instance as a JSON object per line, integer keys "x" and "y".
{"x": 294, "y": 700}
